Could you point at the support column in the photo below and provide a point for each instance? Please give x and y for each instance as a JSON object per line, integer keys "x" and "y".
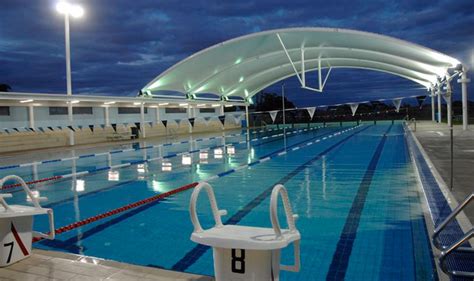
{"x": 157, "y": 112}
{"x": 31, "y": 116}
{"x": 449, "y": 109}
{"x": 142, "y": 119}
{"x": 465, "y": 106}
{"x": 221, "y": 112}
{"x": 71, "y": 121}
{"x": 190, "y": 115}
{"x": 106, "y": 116}
{"x": 439, "y": 106}
{"x": 247, "y": 119}
{"x": 433, "y": 105}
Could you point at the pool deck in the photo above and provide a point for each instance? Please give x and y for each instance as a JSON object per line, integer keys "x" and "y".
{"x": 49, "y": 265}
{"x": 435, "y": 140}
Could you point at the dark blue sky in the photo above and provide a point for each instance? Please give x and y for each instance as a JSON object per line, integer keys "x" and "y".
{"x": 120, "y": 45}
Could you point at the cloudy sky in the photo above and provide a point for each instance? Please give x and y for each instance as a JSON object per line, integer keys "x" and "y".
{"x": 121, "y": 45}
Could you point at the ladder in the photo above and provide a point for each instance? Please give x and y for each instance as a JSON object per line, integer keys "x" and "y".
{"x": 461, "y": 246}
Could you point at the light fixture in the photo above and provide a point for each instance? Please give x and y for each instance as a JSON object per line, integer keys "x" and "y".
{"x": 218, "y": 153}
{"x": 25, "y": 101}
{"x": 74, "y": 102}
{"x": 70, "y": 9}
{"x": 183, "y": 104}
{"x": 215, "y": 105}
{"x": 228, "y": 105}
{"x": 164, "y": 103}
{"x": 109, "y": 102}
{"x": 137, "y": 103}
{"x": 201, "y": 105}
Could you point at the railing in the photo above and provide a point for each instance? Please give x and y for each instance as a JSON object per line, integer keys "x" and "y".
{"x": 456, "y": 246}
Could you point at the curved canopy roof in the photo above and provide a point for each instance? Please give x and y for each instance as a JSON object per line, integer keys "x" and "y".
{"x": 245, "y": 65}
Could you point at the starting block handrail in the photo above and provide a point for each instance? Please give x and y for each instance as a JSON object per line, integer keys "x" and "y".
{"x": 212, "y": 199}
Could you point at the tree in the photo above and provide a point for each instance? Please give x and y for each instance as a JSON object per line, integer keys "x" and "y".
{"x": 271, "y": 101}
{"x": 5, "y": 88}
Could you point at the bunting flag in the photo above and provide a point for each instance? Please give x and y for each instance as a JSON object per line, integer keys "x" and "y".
{"x": 80, "y": 127}
{"x": 273, "y": 115}
{"x": 6, "y": 131}
{"x": 114, "y": 126}
{"x": 222, "y": 119}
{"x": 164, "y": 122}
{"x": 41, "y": 129}
{"x": 32, "y": 129}
{"x": 420, "y": 100}
{"x": 102, "y": 126}
{"x": 71, "y": 128}
{"x": 311, "y": 111}
{"x": 354, "y": 107}
{"x": 16, "y": 130}
{"x": 397, "y": 103}
{"x": 59, "y": 127}
{"x": 125, "y": 124}
{"x": 191, "y": 121}
{"x": 51, "y": 128}
{"x": 178, "y": 121}
{"x": 91, "y": 127}
{"x": 237, "y": 118}
{"x": 137, "y": 124}
{"x": 151, "y": 124}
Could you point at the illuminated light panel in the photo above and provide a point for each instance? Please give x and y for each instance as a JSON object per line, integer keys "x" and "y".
{"x": 26, "y": 101}
{"x": 218, "y": 153}
{"x": 215, "y": 105}
{"x": 231, "y": 150}
{"x": 114, "y": 175}
{"x": 164, "y": 103}
{"x": 109, "y": 102}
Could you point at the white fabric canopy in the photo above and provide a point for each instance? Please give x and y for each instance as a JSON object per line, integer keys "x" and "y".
{"x": 245, "y": 65}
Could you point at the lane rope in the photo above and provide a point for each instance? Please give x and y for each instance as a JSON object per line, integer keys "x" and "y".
{"x": 192, "y": 185}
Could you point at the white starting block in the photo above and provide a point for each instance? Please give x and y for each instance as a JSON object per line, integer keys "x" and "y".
{"x": 245, "y": 252}
{"x": 16, "y": 225}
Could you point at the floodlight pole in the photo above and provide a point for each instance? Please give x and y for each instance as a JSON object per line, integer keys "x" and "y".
{"x": 465, "y": 108}
{"x": 68, "y": 75}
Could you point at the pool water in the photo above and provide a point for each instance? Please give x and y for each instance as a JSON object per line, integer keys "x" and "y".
{"x": 354, "y": 188}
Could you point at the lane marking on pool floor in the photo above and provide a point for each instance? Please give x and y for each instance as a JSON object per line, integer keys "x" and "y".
{"x": 197, "y": 251}
{"x": 161, "y": 196}
{"x": 342, "y": 253}
{"x": 136, "y": 162}
{"x": 129, "y": 150}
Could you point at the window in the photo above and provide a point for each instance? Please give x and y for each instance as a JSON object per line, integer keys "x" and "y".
{"x": 175, "y": 110}
{"x": 207, "y": 110}
{"x": 4, "y": 111}
{"x": 130, "y": 110}
{"x": 62, "y": 110}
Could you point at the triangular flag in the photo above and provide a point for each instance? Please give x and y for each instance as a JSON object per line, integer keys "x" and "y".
{"x": 222, "y": 119}
{"x": 178, "y": 121}
{"x": 16, "y": 130}
{"x": 71, "y": 128}
{"x": 354, "y": 107}
{"x": 273, "y": 115}
{"x": 150, "y": 123}
{"x": 164, "y": 122}
{"x": 32, "y": 129}
{"x": 206, "y": 120}
{"x": 51, "y": 128}
{"x": 311, "y": 111}
{"x": 191, "y": 121}
{"x": 114, "y": 126}
{"x": 41, "y": 129}
{"x": 91, "y": 127}
{"x": 102, "y": 126}
{"x": 420, "y": 100}
{"x": 137, "y": 124}
{"x": 6, "y": 130}
{"x": 125, "y": 124}
{"x": 80, "y": 127}
{"x": 237, "y": 118}
{"x": 60, "y": 128}
{"x": 397, "y": 103}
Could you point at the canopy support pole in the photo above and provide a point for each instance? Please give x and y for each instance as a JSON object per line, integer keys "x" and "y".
{"x": 142, "y": 119}
{"x": 433, "y": 105}
{"x": 439, "y": 107}
{"x": 465, "y": 107}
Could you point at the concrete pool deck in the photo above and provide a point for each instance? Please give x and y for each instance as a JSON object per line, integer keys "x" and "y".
{"x": 435, "y": 140}
{"x": 50, "y": 265}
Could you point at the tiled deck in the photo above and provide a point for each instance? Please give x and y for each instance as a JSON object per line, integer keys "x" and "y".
{"x": 47, "y": 265}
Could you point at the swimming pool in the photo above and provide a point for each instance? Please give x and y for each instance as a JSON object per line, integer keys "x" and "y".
{"x": 353, "y": 187}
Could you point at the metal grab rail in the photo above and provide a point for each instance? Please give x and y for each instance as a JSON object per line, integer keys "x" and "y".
{"x": 34, "y": 200}
{"x": 290, "y": 218}
{"x": 456, "y": 246}
{"x": 212, "y": 199}
{"x": 452, "y": 216}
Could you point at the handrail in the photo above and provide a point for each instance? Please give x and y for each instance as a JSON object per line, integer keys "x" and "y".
{"x": 290, "y": 218}
{"x": 34, "y": 200}
{"x": 212, "y": 199}
{"x": 455, "y": 246}
{"x": 451, "y": 216}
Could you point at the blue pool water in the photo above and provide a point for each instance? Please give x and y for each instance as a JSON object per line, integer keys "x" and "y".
{"x": 355, "y": 193}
